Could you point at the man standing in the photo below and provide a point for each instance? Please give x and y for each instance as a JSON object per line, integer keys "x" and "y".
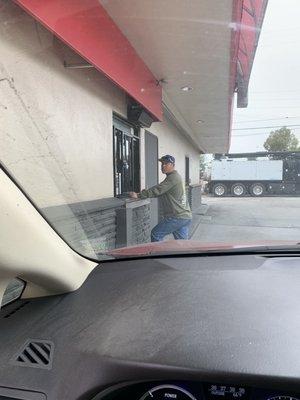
{"x": 176, "y": 211}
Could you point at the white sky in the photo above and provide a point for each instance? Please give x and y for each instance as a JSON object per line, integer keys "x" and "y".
{"x": 274, "y": 91}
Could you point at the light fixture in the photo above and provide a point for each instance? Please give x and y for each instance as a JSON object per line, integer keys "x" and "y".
{"x": 200, "y": 121}
{"x": 186, "y": 88}
{"x": 161, "y": 81}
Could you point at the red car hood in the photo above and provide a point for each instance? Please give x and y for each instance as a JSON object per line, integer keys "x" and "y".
{"x": 190, "y": 246}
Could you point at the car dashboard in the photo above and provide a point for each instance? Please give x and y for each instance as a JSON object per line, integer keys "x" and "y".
{"x": 197, "y": 327}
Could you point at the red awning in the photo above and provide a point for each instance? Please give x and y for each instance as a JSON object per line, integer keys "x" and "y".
{"x": 253, "y": 13}
{"x": 86, "y": 27}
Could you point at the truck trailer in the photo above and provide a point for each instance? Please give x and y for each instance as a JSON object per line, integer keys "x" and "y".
{"x": 256, "y": 174}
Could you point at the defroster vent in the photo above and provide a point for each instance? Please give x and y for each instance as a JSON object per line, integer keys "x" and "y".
{"x": 36, "y": 354}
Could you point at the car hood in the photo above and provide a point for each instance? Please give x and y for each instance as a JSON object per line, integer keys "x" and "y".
{"x": 190, "y": 246}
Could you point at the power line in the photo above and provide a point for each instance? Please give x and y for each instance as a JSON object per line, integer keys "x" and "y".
{"x": 259, "y": 133}
{"x": 252, "y": 134}
{"x": 262, "y": 120}
{"x": 271, "y": 32}
{"x": 269, "y": 98}
{"x": 265, "y": 127}
{"x": 274, "y": 91}
{"x": 282, "y": 106}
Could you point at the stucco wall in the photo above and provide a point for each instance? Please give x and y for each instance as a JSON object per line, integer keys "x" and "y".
{"x": 171, "y": 141}
{"x": 56, "y": 123}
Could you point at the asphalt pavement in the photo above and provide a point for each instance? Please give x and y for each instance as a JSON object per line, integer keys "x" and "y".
{"x": 248, "y": 219}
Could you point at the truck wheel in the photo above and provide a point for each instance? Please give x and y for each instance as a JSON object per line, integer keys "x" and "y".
{"x": 219, "y": 190}
{"x": 257, "y": 189}
{"x": 238, "y": 190}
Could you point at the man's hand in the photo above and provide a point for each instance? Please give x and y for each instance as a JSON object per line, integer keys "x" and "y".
{"x": 133, "y": 195}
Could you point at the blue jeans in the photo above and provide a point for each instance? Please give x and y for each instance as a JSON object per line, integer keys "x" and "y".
{"x": 178, "y": 226}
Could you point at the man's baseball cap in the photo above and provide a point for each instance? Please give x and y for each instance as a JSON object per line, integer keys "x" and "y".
{"x": 167, "y": 159}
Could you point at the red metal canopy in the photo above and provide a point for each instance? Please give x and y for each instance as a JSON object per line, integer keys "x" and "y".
{"x": 253, "y": 12}
{"x": 86, "y": 27}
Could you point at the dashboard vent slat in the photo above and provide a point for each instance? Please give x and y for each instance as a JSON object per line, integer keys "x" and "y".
{"x": 35, "y": 353}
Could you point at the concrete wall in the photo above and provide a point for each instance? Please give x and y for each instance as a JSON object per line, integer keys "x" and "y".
{"x": 56, "y": 123}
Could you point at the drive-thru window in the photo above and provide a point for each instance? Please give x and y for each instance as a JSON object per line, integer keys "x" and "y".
{"x": 126, "y": 153}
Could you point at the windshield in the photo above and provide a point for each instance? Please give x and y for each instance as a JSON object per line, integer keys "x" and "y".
{"x": 169, "y": 125}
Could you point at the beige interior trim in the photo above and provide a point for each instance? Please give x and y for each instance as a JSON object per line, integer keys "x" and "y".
{"x": 31, "y": 250}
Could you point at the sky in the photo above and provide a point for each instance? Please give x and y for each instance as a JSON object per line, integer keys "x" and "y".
{"x": 274, "y": 90}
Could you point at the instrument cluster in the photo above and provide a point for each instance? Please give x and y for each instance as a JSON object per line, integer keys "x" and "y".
{"x": 191, "y": 391}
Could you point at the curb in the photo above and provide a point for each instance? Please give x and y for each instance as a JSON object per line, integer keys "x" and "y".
{"x": 202, "y": 210}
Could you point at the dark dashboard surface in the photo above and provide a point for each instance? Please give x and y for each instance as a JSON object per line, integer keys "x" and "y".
{"x": 228, "y": 319}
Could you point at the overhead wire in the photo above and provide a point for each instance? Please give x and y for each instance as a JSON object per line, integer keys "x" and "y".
{"x": 265, "y": 127}
{"x": 255, "y": 134}
{"x": 269, "y": 119}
